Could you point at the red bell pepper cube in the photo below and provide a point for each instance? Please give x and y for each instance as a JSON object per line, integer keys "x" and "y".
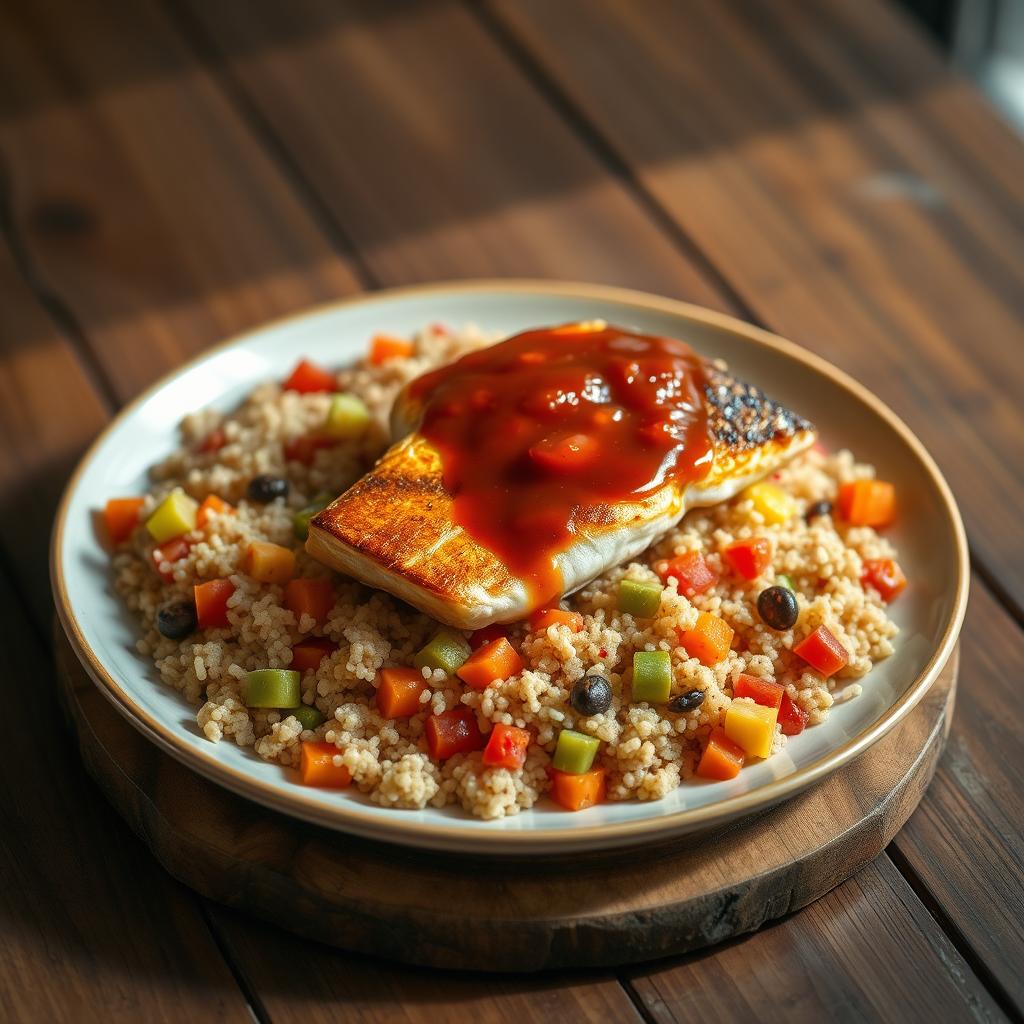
{"x": 749, "y": 557}
{"x": 453, "y": 732}
{"x": 885, "y": 576}
{"x": 792, "y": 718}
{"x": 506, "y": 747}
{"x": 691, "y": 570}
{"x": 761, "y": 691}
{"x": 823, "y": 652}
{"x": 171, "y": 551}
{"x": 308, "y": 378}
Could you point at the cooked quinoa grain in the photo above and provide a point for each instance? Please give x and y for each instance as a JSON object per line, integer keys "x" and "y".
{"x": 646, "y": 751}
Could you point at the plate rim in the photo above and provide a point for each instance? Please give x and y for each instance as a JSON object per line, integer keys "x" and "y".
{"x": 352, "y": 819}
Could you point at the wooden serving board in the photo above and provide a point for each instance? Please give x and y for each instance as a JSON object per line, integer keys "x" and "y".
{"x": 520, "y": 915}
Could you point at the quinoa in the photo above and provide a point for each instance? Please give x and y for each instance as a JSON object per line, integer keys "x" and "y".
{"x": 646, "y": 751}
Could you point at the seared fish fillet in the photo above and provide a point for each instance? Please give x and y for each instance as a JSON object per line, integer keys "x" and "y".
{"x": 394, "y": 529}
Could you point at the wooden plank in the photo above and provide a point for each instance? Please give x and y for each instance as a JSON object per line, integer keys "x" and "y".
{"x": 875, "y": 254}
{"x": 845, "y": 958}
{"x": 91, "y": 928}
{"x": 964, "y": 842}
{"x": 142, "y": 200}
{"x": 306, "y": 983}
{"x": 431, "y": 149}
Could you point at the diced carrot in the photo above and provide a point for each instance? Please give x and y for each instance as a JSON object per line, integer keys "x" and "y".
{"x": 213, "y": 442}
{"x": 212, "y": 603}
{"x": 578, "y": 792}
{"x": 212, "y": 505}
{"x": 506, "y": 747}
{"x": 792, "y": 718}
{"x": 545, "y": 617}
{"x": 385, "y": 346}
{"x": 308, "y": 378}
{"x": 709, "y": 640}
{"x": 565, "y": 454}
{"x": 691, "y": 570}
{"x": 121, "y": 516}
{"x": 303, "y": 449}
{"x": 268, "y": 563}
{"x": 486, "y": 635}
{"x": 314, "y": 598}
{"x": 749, "y": 557}
{"x": 868, "y": 502}
{"x": 762, "y": 691}
{"x": 823, "y": 652}
{"x": 496, "y": 660}
{"x": 317, "y": 766}
{"x": 398, "y": 691}
{"x": 452, "y": 732}
{"x": 722, "y": 759}
{"x": 172, "y": 551}
{"x": 885, "y": 576}
{"x": 308, "y": 654}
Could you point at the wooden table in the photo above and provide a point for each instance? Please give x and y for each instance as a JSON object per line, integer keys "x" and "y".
{"x": 174, "y": 173}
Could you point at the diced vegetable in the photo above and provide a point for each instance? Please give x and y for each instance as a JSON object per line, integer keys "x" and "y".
{"x": 307, "y": 654}
{"x": 484, "y": 636}
{"x": 309, "y": 717}
{"x": 885, "y": 576}
{"x": 452, "y": 732}
{"x": 752, "y": 726}
{"x": 167, "y": 554}
{"x": 272, "y": 688}
{"x": 385, "y": 346}
{"x": 446, "y": 651}
{"x": 308, "y": 378}
{"x": 496, "y": 660}
{"x": 774, "y": 504}
{"x": 575, "y": 752}
{"x": 303, "y": 448}
{"x": 867, "y": 502}
{"x": 652, "y": 676}
{"x": 722, "y": 759}
{"x": 212, "y": 506}
{"x": 175, "y": 515}
{"x": 641, "y": 600}
{"x": 792, "y": 718}
{"x": 347, "y": 418}
{"x": 709, "y": 640}
{"x": 565, "y": 454}
{"x": 212, "y": 603}
{"x": 317, "y": 766}
{"x": 213, "y": 442}
{"x": 782, "y": 580}
{"x": 268, "y": 563}
{"x": 762, "y": 691}
{"x": 302, "y": 518}
{"x": 749, "y": 557}
{"x": 691, "y": 570}
{"x": 121, "y": 516}
{"x": 314, "y": 598}
{"x": 506, "y": 747}
{"x": 398, "y": 692}
{"x": 823, "y": 652}
{"x": 545, "y": 617}
{"x": 578, "y": 792}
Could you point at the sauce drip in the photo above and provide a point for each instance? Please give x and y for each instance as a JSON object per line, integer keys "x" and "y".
{"x": 552, "y": 424}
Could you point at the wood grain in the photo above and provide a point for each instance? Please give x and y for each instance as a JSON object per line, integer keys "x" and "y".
{"x": 844, "y": 959}
{"x": 830, "y": 215}
{"x": 439, "y": 909}
{"x": 142, "y": 200}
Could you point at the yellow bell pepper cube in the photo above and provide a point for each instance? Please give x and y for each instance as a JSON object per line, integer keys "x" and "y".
{"x": 268, "y": 563}
{"x": 175, "y": 515}
{"x": 774, "y": 504}
{"x": 347, "y": 418}
{"x": 751, "y": 726}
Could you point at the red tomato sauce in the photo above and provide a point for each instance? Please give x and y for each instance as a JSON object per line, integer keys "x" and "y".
{"x": 538, "y": 433}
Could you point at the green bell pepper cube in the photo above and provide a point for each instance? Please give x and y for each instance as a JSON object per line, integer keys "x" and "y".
{"x": 575, "y": 752}
{"x": 641, "y": 600}
{"x": 447, "y": 651}
{"x": 272, "y": 688}
{"x": 347, "y": 418}
{"x": 652, "y": 676}
{"x": 309, "y": 717}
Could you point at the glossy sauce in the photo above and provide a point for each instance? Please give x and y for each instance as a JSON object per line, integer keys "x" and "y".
{"x": 551, "y": 424}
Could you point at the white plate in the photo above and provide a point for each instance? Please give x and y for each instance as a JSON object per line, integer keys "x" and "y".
{"x": 929, "y": 536}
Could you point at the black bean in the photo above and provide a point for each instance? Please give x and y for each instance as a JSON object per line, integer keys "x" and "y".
{"x": 819, "y": 508}
{"x": 177, "y": 621}
{"x": 266, "y": 488}
{"x": 591, "y": 695}
{"x": 777, "y": 607}
{"x": 689, "y": 701}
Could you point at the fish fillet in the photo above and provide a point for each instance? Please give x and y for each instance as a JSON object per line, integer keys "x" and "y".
{"x": 394, "y": 529}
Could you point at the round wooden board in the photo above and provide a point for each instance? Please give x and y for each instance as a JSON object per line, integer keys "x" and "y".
{"x": 510, "y": 915}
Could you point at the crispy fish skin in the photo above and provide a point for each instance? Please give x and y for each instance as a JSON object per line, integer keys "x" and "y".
{"x": 394, "y": 529}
